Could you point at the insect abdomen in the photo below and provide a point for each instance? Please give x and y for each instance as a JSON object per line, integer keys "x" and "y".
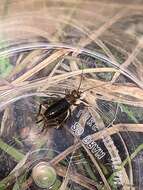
{"x": 57, "y": 109}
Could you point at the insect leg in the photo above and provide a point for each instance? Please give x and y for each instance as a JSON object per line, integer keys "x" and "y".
{"x": 76, "y": 104}
{"x": 64, "y": 118}
{"x": 45, "y": 105}
{"x": 85, "y": 103}
{"x": 45, "y": 122}
{"x": 44, "y": 128}
{"x": 39, "y": 121}
{"x": 39, "y": 112}
{"x": 52, "y": 123}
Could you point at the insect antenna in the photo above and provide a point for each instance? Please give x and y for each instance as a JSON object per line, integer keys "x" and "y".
{"x": 81, "y": 79}
{"x": 96, "y": 87}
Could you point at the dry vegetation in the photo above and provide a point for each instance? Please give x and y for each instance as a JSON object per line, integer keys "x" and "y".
{"x": 46, "y": 46}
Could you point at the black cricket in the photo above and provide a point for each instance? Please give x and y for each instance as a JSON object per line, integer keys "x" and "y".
{"x": 57, "y": 113}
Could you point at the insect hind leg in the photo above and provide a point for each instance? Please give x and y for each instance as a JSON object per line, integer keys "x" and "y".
{"x": 64, "y": 118}
{"x": 39, "y": 111}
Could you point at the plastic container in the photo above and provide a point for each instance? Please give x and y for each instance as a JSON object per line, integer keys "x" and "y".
{"x": 99, "y": 144}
